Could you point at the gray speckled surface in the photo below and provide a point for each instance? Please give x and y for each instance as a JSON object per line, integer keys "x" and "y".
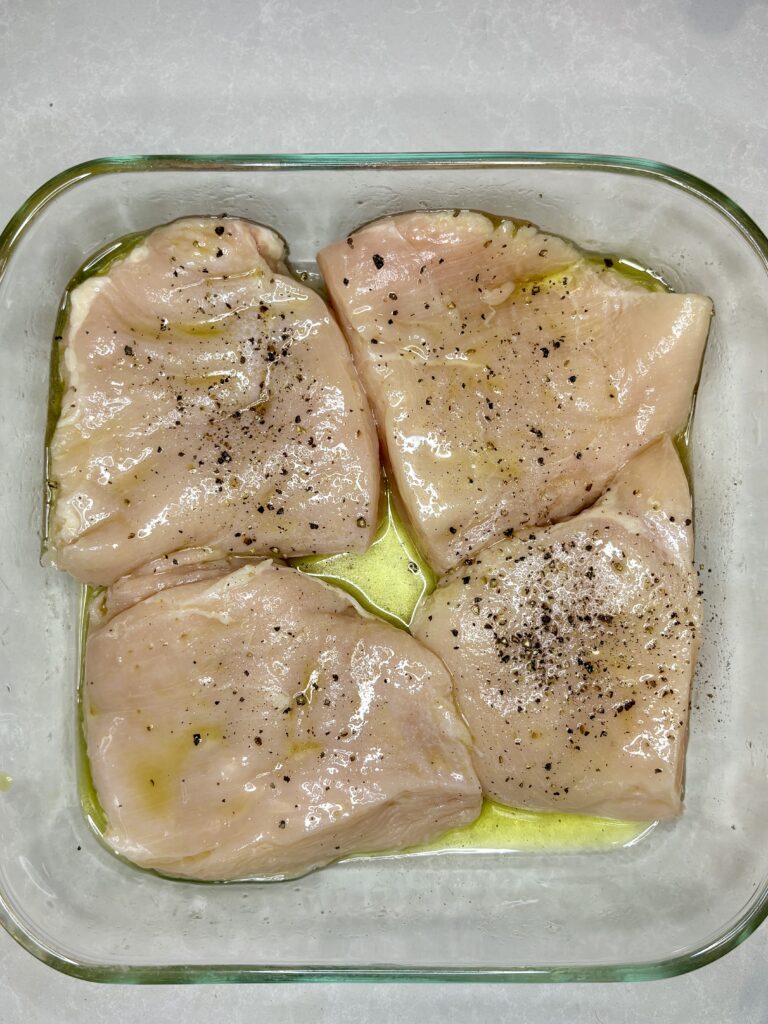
{"x": 679, "y": 81}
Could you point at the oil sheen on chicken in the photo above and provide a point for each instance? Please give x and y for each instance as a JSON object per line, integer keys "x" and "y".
{"x": 573, "y": 648}
{"x": 255, "y": 724}
{"x": 210, "y": 401}
{"x": 511, "y": 376}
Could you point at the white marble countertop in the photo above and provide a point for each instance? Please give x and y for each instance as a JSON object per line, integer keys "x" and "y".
{"x": 683, "y": 82}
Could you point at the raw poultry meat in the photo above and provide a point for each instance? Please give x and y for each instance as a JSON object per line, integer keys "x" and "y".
{"x": 510, "y": 374}
{"x": 210, "y": 401}
{"x": 573, "y": 648}
{"x": 256, "y": 724}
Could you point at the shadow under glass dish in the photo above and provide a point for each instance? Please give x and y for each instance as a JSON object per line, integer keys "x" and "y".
{"x": 684, "y": 895}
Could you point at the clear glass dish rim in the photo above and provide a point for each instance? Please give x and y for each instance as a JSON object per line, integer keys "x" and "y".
{"x": 736, "y": 930}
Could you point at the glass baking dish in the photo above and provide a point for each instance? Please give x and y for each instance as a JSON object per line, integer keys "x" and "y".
{"x": 683, "y": 895}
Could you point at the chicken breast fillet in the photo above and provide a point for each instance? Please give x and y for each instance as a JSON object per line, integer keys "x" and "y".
{"x": 573, "y": 649}
{"x": 511, "y": 376}
{"x": 210, "y": 401}
{"x": 257, "y": 725}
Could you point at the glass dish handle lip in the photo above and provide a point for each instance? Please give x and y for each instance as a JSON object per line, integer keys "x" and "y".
{"x": 672, "y": 966}
{"x": 673, "y": 176}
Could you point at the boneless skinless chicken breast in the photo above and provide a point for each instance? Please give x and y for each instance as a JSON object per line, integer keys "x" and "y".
{"x": 573, "y": 648}
{"x": 255, "y": 723}
{"x": 510, "y": 375}
{"x": 210, "y": 401}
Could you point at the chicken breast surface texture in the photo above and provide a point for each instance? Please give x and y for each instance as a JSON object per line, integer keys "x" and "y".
{"x": 573, "y": 649}
{"x": 511, "y": 376}
{"x": 210, "y": 401}
{"x": 257, "y": 725}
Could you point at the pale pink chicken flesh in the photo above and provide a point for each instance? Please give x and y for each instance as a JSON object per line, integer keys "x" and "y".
{"x": 510, "y": 375}
{"x": 256, "y": 724}
{"x": 573, "y": 649}
{"x": 210, "y": 401}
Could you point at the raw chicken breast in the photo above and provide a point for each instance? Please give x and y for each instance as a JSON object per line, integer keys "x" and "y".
{"x": 188, "y": 567}
{"x": 210, "y": 401}
{"x": 573, "y": 650}
{"x": 256, "y": 724}
{"x": 510, "y": 375}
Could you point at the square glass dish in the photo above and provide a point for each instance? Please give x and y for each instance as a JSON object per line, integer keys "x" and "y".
{"x": 684, "y": 894}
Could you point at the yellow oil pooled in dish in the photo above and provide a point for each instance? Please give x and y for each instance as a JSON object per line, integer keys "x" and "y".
{"x": 630, "y": 269}
{"x": 510, "y": 828}
{"x": 389, "y": 580}
{"x": 89, "y": 800}
{"x": 6, "y": 781}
